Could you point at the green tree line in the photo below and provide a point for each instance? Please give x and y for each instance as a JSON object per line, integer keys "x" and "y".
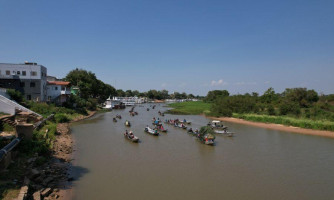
{"x": 293, "y": 102}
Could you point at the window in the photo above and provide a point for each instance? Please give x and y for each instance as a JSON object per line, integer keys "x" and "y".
{"x": 28, "y": 97}
{"x": 24, "y": 73}
{"x": 14, "y": 72}
{"x": 7, "y": 72}
{"x": 63, "y": 88}
{"x": 56, "y": 88}
{"x": 32, "y": 84}
{"x": 18, "y": 72}
{"x": 22, "y": 84}
{"x": 33, "y": 73}
{"x": 49, "y": 98}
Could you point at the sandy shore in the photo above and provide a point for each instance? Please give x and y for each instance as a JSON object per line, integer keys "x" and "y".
{"x": 278, "y": 127}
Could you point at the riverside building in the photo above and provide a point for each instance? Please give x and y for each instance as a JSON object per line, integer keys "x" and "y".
{"x": 28, "y": 78}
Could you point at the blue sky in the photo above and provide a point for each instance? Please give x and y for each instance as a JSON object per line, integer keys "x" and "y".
{"x": 187, "y": 46}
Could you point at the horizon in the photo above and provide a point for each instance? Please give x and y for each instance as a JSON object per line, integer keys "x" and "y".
{"x": 195, "y": 47}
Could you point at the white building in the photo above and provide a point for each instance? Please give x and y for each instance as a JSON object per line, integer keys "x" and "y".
{"x": 28, "y": 78}
{"x": 58, "y": 91}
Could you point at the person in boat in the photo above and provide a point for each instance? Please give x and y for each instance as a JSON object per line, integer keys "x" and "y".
{"x": 196, "y": 131}
{"x": 126, "y": 132}
{"x": 190, "y": 130}
{"x": 184, "y": 120}
{"x": 131, "y": 135}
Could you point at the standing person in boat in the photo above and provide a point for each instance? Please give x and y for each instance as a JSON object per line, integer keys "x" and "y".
{"x": 126, "y": 132}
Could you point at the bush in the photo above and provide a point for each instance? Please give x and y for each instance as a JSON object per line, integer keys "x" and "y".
{"x": 289, "y": 108}
{"x": 15, "y": 95}
{"x": 61, "y": 118}
{"x": 271, "y": 110}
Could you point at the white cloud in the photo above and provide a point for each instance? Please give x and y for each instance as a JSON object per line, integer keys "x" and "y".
{"x": 219, "y": 82}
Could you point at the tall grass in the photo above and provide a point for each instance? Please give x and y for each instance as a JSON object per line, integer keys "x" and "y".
{"x": 289, "y": 121}
{"x": 190, "y": 108}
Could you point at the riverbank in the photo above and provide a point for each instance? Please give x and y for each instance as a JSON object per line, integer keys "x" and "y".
{"x": 283, "y": 123}
{"x": 63, "y": 151}
{"x": 278, "y": 127}
{"x": 46, "y": 173}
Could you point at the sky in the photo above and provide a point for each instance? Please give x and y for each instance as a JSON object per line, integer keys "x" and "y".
{"x": 191, "y": 46}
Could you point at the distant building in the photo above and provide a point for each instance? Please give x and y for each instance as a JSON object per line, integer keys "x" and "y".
{"x": 58, "y": 91}
{"x": 129, "y": 101}
{"x": 28, "y": 78}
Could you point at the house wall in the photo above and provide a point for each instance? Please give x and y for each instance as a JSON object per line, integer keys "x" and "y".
{"x": 30, "y": 79}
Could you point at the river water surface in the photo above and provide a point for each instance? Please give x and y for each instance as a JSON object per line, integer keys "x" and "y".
{"x": 256, "y": 164}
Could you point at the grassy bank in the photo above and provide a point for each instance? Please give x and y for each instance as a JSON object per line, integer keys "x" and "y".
{"x": 190, "y": 108}
{"x": 289, "y": 121}
{"x": 199, "y": 107}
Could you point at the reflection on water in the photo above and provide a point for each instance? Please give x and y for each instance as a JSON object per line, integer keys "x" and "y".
{"x": 255, "y": 164}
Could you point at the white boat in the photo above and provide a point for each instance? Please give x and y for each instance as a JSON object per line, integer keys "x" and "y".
{"x": 224, "y": 132}
{"x": 217, "y": 124}
{"x": 151, "y": 131}
{"x": 129, "y": 137}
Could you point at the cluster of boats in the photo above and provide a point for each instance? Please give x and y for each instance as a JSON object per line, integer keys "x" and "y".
{"x": 206, "y": 135}
{"x": 178, "y": 123}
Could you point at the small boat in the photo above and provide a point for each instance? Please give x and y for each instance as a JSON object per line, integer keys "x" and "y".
{"x": 215, "y": 124}
{"x": 161, "y": 128}
{"x": 148, "y": 109}
{"x": 186, "y": 121}
{"x": 119, "y": 116}
{"x": 127, "y": 123}
{"x": 132, "y": 137}
{"x": 114, "y": 119}
{"x": 225, "y": 133}
{"x": 151, "y": 131}
{"x": 181, "y": 126}
{"x": 207, "y": 139}
{"x": 191, "y": 131}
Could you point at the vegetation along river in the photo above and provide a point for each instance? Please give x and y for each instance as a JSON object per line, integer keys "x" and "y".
{"x": 255, "y": 164}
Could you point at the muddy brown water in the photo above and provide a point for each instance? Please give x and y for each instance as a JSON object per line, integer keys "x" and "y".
{"x": 255, "y": 164}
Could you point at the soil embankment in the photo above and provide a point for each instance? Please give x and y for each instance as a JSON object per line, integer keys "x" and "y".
{"x": 51, "y": 180}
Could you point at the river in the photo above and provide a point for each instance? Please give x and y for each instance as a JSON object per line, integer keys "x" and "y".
{"x": 256, "y": 164}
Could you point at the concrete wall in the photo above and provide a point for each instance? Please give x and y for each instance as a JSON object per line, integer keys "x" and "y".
{"x": 20, "y": 78}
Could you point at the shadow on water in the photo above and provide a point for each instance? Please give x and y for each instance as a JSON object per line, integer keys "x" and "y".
{"x": 77, "y": 172}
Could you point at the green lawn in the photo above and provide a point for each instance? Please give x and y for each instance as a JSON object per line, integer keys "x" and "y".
{"x": 190, "y": 108}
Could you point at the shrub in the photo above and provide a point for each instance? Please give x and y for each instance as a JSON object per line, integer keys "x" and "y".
{"x": 15, "y": 95}
{"x": 289, "y": 108}
{"x": 61, "y": 118}
{"x": 271, "y": 110}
